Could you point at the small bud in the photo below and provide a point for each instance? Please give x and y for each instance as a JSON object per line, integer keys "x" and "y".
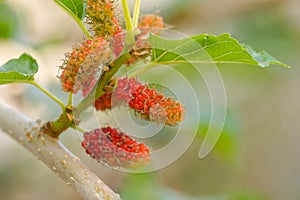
{"x": 148, "y": 24}
{"x": 151, "y": 23}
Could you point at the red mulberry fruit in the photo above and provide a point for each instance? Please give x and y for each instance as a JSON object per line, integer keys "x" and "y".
{"x": 104, "y": 102}
{"x": 145, "y": 101}
{"x": 111, "y": 147}
{"x": 125, "y": 87}
{"x": 120, "y": 96}
{"x": 153, "y": 106}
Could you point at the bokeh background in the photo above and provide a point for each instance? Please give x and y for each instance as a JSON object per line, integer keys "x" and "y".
{"x": 257, "y": 156}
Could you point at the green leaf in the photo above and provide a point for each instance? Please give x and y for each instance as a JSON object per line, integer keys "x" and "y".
{"x": 204, "y": 48}
{"x": 74, "y": 7}
{"x": 18, "y": 70}
{"x": 263, "y": 58}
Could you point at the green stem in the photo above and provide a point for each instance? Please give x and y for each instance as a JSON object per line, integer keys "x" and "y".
{"x": 78, "y": 128}
{"x": 136, "y": 13}
{"x": 70, "y": 100}
{"x": 127, "y": 15}
{"x": 46, "y": 92}
{"x": 129, "y": 28}
{"x": 83, "y": 28}
{"x": 62, "y": 123}
{"x": 103, "y": 81}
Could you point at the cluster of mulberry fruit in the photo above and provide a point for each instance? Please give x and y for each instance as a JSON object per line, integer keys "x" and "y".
{"x": 82, "y": 66}
{"x": 86, "y": 62}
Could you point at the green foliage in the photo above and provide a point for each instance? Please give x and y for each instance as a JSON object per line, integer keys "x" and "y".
{"x": 247, "y": 195}
{"x": 74, "y": 7}
{"x": 140, "y": 186}
{"x": 8, "y": 22}
{"x": 18, "y": 70}
{"x": 204, "y": 48}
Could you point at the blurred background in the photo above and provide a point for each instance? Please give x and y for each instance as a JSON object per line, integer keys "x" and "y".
{"x": 257, "y": 156}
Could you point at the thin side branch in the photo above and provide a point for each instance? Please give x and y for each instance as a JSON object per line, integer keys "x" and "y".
{"x": 50, "y": 151}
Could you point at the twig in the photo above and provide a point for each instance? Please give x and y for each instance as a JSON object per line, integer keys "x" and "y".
{"x": 50, "y": 151}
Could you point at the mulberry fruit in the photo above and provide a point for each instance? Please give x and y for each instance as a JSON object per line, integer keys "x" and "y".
{"x": 120, "y": 96}
{"x": 151, "y": 23}
{"x": 124, "y": 89}
{"x": 104, "y": 102}
{"x": 82, "y": 65}
{"x": 153, "y": 106}
{"x": 116, "y": 149}
{"x": 101, "y": 17}
{"x": 145, "y": 101}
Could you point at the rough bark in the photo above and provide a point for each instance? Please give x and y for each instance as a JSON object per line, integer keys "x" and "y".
{"x": 50, "y": 151}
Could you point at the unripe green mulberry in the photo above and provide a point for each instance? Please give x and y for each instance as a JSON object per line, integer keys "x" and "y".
{"x": 101, "y": 17}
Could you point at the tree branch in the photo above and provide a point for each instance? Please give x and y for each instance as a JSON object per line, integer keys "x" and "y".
{"x": 50, "y": 151}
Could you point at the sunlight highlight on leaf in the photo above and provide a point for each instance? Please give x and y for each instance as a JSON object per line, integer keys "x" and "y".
{"x": 263, "y": 58}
